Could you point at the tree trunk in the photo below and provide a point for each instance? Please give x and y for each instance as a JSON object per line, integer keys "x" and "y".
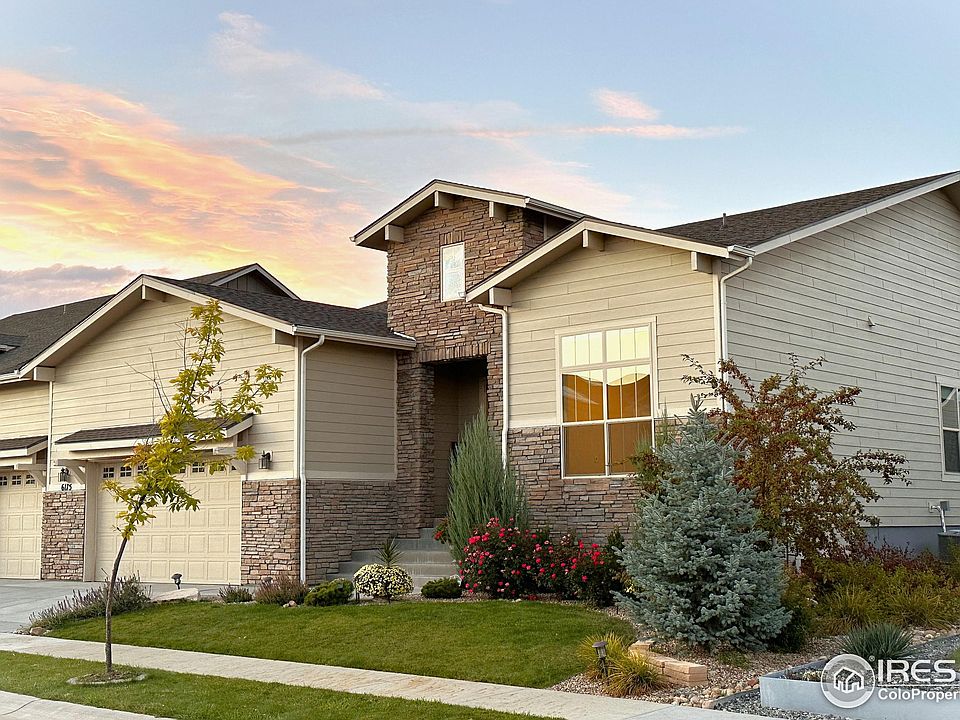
{"x": 108, "y": 615}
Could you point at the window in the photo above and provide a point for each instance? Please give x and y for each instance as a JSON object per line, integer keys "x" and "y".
{"x": 108, "y": 472}
{"x": 16, "y": 479}
{"x": 452, "y": 279}
{"x": 198, "y": 468}
{"x": 950, "y": 426}
{"x": 606, "y": 396}
{"x": 126, "y": 471}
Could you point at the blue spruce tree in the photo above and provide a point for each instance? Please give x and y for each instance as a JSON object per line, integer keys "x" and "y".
{"x": 703, "y": 573}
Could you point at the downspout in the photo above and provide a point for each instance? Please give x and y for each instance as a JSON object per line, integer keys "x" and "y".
{"x": 505, "y": 381}
{"x": 748, "y": 254}
{"x": 302, "y": 451}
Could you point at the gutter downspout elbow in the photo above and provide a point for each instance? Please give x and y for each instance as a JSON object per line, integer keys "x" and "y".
{"x": 505, "y": 370}
{"x": 302, "y": 451}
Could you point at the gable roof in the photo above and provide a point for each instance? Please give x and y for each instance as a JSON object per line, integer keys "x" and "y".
{"x": 753, "y": 229}
{"x": 225, "y": 276}
{"x": 35, "y": 332}
{"x": 316, "y": 316}
{"x": 432, "y": 194}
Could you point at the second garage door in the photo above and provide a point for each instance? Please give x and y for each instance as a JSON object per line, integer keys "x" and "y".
{"x": 21, "y": 511}
{"x": 202, "y": 545}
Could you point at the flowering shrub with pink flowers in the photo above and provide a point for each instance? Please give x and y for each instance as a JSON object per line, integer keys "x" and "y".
{"x": 504, "y": 560}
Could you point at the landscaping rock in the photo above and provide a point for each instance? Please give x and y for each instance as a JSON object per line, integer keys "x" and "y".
{"x": 38, "y": 631}
{"x": 183, "y": 594}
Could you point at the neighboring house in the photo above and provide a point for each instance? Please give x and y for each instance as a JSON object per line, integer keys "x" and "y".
{"x": 580, "y": 323}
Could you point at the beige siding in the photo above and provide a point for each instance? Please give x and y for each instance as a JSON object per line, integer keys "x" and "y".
{"x": 108, "y": 382}
{"x": 900, "y": 268}
{"x": 351, "y": 412}
{"x": 627, "y": 281}
{"x": 24, "y": 409}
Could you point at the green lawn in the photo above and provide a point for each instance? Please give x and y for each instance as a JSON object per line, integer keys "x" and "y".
{"x": 515, "y": 643}
{"x": 193, "y": 697}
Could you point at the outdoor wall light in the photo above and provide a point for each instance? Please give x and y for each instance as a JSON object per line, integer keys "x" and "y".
{"x": 64, "y": 475}
{"x": 265, "y": 461}
{"x": 176, "y": 578}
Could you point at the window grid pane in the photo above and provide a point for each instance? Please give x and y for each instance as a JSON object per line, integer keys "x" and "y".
{"x": 948, "y": 408}
{"x": 951, "y": 451}
{"x": 452, "y": 280}
{"x": 584, "y": 449}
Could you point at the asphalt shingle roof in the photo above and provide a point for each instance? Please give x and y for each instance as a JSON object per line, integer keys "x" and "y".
{"x": 21, "y": 443}
{"x": 39, "y": 329}
{"x": 752, "y": 228}
{"x": 363, "y": 321}
{"x": 125, "y": 432}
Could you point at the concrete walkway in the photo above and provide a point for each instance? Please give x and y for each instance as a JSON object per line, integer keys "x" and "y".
{"x": 25, "y": 707}
{"x": 507, "y": 698}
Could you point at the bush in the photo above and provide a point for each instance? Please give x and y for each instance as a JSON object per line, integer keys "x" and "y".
{"x": 282, "y": 590}
{"x": 443, "y": 589}
{"x": 334, "y": 592}
{"x": 499, "y": 561}
{"x": 704, "y": 573}
{"x": 128, "y": 594}
{"x": 235, "y": 594}
{"x": 846, "y": 608}
{"x": 879, "y": 642}
{"x": 599, "y": 572}
{"x": 481, "y": 487}
{"x": 797, "y": 598}
{"x": 380, "y": 581}
{"x": 623, "y": 672}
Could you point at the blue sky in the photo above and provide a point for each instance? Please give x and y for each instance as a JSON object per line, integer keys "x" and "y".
{"x": 272, "y": 131}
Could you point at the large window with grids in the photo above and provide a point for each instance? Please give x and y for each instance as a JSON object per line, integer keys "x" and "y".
{"x": 606, "y": 388}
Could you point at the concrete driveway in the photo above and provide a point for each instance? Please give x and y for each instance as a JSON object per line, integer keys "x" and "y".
{"x": 21, "y": 598}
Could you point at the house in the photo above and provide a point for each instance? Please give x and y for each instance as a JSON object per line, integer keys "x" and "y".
{"x": 580, "y": 323}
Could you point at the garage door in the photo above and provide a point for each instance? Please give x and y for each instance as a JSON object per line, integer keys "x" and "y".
{"x": 21, "y": 510}
{"x": 203, "y": 545}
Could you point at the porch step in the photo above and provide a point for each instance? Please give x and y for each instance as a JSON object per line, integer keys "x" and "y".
{"x": 424, "y": 558}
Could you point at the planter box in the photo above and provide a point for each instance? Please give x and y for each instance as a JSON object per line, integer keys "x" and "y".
{"x": 778, "y": 691}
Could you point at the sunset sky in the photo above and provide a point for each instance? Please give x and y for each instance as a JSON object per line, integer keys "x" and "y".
{"x": 180, "y": 138}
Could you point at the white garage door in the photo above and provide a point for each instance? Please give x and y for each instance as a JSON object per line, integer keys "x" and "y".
{"x": 21, "y": 511}
{"x": 203, "y": 545}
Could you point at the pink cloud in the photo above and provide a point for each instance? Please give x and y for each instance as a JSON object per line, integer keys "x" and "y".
{"x": 624, "y": 105}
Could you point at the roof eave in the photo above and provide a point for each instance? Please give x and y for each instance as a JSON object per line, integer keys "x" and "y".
{"x": 394, "y": 343}
{"x": 862, "y": 211}
{"x": 569, "y": 239}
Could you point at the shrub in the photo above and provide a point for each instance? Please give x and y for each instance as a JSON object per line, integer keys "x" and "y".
{"x": 811, "y": 500}
{"x": 797, "y": 598}
{"x": 919, "y": 607}
{"x": 846, "y": 608}
{"x": 879, "y": 642}
{"x": 235, "y": 594}
{"x": 442, "y": 533}
{"x": 129, "y": 594}
{"x": 599, "y": 572}
{"x": 499, "y": 561}
{"x": 481, "y": 487}
{"x": 389, "y": 554}
{"x": 443, "y": 588}
{"x": 587, "y": 654}
{"x": 631, "y": 674}
{"x": 705, "y": 574}
{"x": 380, "y": 581}
{"x": 281, "y": 590}
{"x": 334, "y": 592}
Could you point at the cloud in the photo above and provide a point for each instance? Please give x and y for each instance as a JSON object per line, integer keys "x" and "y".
{"x": 624, "y": 105}
{"x": 57, "y": 284}
{"x": 238, "y": 50}
{"x": 87, "y": 178}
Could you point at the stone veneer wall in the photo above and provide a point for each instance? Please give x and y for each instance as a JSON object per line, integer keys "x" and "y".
{"x": 444, "y": 331}
{"x": 346, "y": 515}
{"x": 270, "y": 529}
{"x": 61, "y": 553}
{"x": 591, "y": 507}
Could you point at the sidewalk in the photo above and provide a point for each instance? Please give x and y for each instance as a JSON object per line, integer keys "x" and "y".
{"x": 507, "y": 698}
{"x": 25, "y": 707}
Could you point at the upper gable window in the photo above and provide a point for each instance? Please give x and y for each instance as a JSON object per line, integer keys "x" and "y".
{"x": 452, "y": 279}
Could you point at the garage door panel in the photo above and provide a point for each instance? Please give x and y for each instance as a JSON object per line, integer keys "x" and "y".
{"x": 21, "y": 511}
{"x": 203, "y": 545}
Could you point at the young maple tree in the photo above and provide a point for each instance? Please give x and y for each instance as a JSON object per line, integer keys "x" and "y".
{"x": 195, "y": 417}
{"x": 811, "y": 500}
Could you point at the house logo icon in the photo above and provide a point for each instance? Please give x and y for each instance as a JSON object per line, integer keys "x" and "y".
{"x": 848, "y": 681}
